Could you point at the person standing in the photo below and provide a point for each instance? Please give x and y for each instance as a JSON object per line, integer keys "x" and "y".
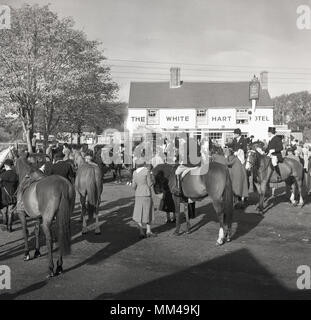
{"x": 8, "y": 183}
{"x": 33, "y": 143}
{"x": 143, "y": 207}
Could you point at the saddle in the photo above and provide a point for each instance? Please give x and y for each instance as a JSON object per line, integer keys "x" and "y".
{"x": 29, "y": 179}
{"x": 194, "y": 171}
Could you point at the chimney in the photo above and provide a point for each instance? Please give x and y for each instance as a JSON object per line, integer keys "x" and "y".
{"x": 175, "y": 78}
{"x": 264, "y": 80}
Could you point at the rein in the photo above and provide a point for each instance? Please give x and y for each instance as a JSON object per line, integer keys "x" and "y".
{"x": 258, "y": 169}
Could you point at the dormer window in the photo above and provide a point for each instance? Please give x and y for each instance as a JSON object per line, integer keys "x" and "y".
{"x": 242, "y": 116}
{"x": 201, "y": 116}
{"x": 153, "y": 117}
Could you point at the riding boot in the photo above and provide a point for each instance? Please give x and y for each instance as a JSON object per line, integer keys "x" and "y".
{"x": 277, "y": 170}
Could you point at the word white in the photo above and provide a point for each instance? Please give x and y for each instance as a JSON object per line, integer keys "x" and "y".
{"x": 5, "y": 277}
{"x": 304, "y": 280}
{"x": 5, "y": 17}
{"x": 304, "y": 20}
{"x": 178, "y": 118}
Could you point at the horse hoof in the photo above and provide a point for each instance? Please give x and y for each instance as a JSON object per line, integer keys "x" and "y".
{"x": 177, "y": 233}
{"x": 97, "y": 232}
{"x": 84, "y": 231}
{"x": 50, "y": 275}
{"x": 295, "y": 204}
{"x": 59, "y": 270}
{"x": 37, "y": 254}
{"x": 219, "y": 243}
{"x": 26, "y": 257}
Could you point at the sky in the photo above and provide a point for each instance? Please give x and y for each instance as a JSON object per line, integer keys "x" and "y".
{"x": 210, "y": 40}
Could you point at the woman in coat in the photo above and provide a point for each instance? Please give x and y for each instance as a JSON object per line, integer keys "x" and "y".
{"x": 143, "y": 208}
{"x": 8, "y": 183}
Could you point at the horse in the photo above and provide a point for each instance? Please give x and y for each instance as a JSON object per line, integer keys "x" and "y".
{"x": 199, "y": 183}
{"x": 89, "y": 185}
{"x": 48, "y": 197}
{"x": 292, "y": 173}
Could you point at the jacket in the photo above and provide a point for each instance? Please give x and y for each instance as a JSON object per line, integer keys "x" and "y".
{"x": 276, "y": 144}
{"x": 142, "y": 182}
{"x": 241, "y": 144}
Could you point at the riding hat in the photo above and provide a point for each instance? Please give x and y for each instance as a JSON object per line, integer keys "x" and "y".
{"x": 9, "y": 162}
{"x": 272, "y": 130}
{"x": 237, "y": 131}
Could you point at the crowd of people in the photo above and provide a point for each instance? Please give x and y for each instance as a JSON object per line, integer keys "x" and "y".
{"x": 59, "y": 159}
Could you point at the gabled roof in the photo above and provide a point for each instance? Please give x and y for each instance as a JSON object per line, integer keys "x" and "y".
{"x": 194, "y": 95}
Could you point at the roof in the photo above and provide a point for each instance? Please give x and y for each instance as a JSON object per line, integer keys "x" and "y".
{"x": 194, "y": 95}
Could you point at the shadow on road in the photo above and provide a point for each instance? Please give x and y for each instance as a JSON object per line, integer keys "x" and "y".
{"x": 219, "y": 278}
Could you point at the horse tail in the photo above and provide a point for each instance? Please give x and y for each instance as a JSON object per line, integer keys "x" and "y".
{"x": 228, "y": 197}
{"x": 65, "y": 209}
{"x": 92, "y": 188}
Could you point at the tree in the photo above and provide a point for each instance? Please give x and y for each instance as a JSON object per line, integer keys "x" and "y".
{"x": 48, "y": 69}
{"x": 293, "y": 109}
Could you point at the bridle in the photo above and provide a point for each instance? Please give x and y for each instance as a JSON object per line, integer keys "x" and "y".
{"x": 252, "y": 163}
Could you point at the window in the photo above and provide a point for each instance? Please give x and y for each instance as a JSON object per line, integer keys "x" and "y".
{"x": 201, "y": 116}
{"x": 215, "y": 137}
{"x": 242, "y": 116}
{"x": 153, "y": 116}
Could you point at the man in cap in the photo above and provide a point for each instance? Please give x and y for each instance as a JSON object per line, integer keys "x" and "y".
{"x": 274, "y": 149}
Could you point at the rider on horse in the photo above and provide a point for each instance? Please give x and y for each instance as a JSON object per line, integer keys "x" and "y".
{"x": 239, "y": 144}
{"x": 274, "y": 149}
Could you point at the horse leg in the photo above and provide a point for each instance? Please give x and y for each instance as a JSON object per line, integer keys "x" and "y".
{"x": 5, "y": 218}
{"x": 219, "y": 208}
{"x": 97, "y": 229}
{"x": 177, "y": 211}
{"x": 22, "y": 218}
{"x": 83, "y": 213}
{"x": 293, "y": 195}
{"x": 37, "y": 234}
{"x": 186, "y": 212}
{"x": 10, "y": 218}
{"x": 301, "y": 202}
{"x": 49, "y": 243}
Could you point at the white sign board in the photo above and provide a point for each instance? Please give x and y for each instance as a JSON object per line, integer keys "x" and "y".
{"x": 178, "y": 118}
{"x": 136, "y": 118}
{"x": 221, "y": 118}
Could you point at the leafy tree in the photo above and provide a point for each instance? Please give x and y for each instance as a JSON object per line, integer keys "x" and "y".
{"x": 294, "y": 109}
{"x": 50, "y": 74}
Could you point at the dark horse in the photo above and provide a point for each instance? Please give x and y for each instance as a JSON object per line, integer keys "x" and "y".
{"x": 200, "y": 183}
{"x": 263, "y": 173}
{"x": 49, "y": 197}
{"x": 89, "y": 185}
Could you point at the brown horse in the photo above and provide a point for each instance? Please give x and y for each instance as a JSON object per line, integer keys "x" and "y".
{"x": 263, "y": 173}
{"x": 198, "y": 184}
{"x": 89, "y": 185}
{"x": 49, "y": 197}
